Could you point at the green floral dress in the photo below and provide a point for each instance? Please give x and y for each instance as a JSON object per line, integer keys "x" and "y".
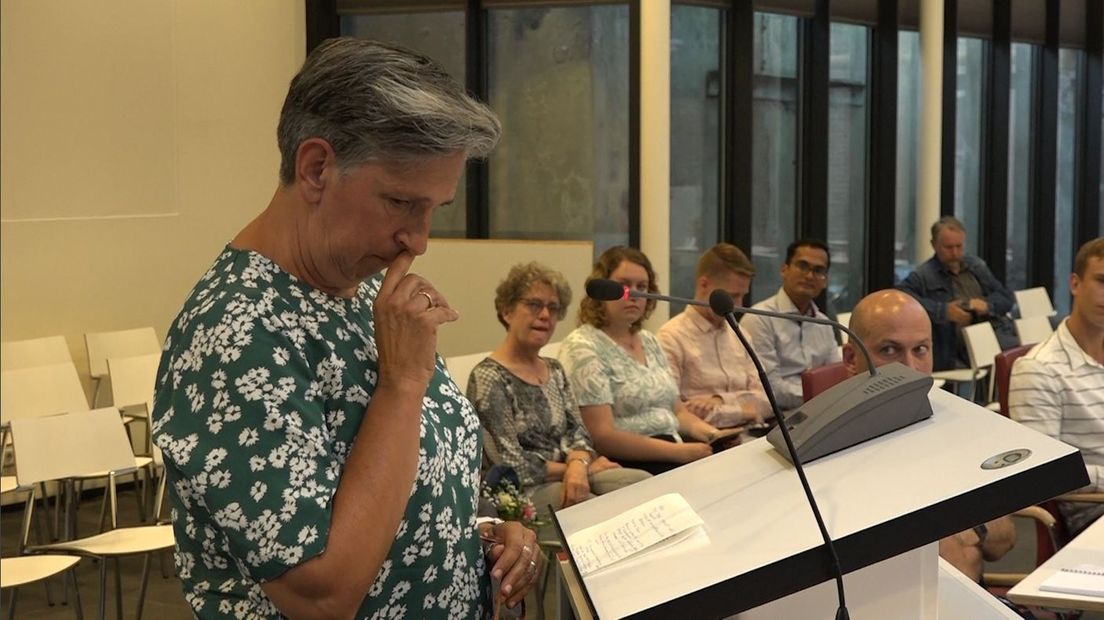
{"x": 262, "y": 387}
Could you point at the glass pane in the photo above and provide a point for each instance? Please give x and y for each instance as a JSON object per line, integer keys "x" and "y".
{"x": 695, "y": 140}
{"x": 1019, "y": 155}
{"x": 774, "y": 148}
{"x": 909, "y": 243}
{"x": 441, "y": 37}
{"x": 847, "y": 149}
{"x": 1069, "y": 86}
{"x": 559, "y": 80}
{"x": 970, "y": 82}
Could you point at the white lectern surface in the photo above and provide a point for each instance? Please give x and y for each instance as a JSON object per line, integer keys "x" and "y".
{"x": 879, "y": 499}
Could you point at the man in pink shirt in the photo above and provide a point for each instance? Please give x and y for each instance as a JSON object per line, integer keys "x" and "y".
{"x": 716, "y": 378}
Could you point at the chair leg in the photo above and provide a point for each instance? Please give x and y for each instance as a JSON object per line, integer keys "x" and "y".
{"x": 11, "y": 604}
{"x": 103, "y": 588}
{"x": 118, "y": 590}
{"x": 71, "y": 577}
{"x": 145, "y": 583}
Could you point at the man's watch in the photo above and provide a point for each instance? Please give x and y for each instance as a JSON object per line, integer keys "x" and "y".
{"x": 982, "y": 533}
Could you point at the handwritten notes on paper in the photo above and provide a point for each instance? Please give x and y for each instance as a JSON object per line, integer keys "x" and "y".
{"x": 632, "y": 531}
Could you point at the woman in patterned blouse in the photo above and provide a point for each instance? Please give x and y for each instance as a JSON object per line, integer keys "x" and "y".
{"x": 619, "y": 374}
{"x": 526, "y": 405}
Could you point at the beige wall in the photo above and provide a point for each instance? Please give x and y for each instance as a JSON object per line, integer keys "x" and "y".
{"x": 136, "y": 137}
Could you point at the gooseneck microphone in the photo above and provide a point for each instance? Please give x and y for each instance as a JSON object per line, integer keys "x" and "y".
{"x": 609, "y": 290}
{"x": 722, "y": 304}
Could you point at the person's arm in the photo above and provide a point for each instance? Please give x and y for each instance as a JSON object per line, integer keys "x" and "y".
{"x": 693, "y": 427}
{"x": 787, "y": 390}
{"x": 382, "y": 465}
{"x": 489, "y": 394}
{"x": 999, "y": 540}
{"x": 913, "y": 284}
{"x": 628, "y": 446}
{"x": 999, "y": 299}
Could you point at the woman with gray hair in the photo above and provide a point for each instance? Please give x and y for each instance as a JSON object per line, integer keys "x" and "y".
{"x": 321, "y": 462}
{"x": 526, "y": 404}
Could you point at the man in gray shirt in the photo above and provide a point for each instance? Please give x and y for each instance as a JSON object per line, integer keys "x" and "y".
{"x": 788, "y": 348}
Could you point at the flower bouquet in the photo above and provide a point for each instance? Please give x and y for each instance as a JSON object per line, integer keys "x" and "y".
{"x": 511, "y": 504}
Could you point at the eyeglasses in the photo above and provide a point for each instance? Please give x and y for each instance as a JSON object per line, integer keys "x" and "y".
{"x": 536, "y": 306}
{"x": 820, "y": 273}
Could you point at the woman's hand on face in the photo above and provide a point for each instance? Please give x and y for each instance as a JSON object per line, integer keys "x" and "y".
{"x": 516, "y": 560}
{"x": 408, "y": 311}
{"x": 601, "y": 464}
{"x": 576, "y": 485}
{"x": 692, "y": 450}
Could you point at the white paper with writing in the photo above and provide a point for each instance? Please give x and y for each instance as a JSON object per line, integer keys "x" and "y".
{"x": 631, "y": 532}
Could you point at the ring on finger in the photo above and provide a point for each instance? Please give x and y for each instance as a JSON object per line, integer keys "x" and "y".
{"x": 429, "y": 298}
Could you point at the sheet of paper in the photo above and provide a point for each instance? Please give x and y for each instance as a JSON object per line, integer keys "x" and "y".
{"x": 631, "y": 532}
{"x": 1084, "y": 579}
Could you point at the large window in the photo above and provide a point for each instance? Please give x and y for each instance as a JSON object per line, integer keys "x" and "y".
{"x": 969, "y": 136}
{"x": 1069, "y": 90}
{"x": 695, "y": 140}
{"x": 439, "y": 35}
{"x": 559, "y": 80}
{"x": 774, "y": 147}
{"x": 909, "y": 243}
{"x": 848, "y": 111}
{"x": 1019, "y": 162}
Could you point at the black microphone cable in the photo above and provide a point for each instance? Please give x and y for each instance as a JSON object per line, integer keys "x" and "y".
{"x": 723, "y": 305}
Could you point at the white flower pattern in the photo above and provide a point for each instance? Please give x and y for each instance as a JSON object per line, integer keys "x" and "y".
{"x": 263, "y": 385}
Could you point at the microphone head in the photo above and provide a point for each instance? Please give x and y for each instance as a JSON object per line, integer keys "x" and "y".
{"x": 606, "y": 290}
{"x": 721, "y": 303}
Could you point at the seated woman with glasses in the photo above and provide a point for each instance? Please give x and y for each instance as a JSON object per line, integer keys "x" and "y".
{"x": 627, "y": 395}
{"x": 526, "y": 405}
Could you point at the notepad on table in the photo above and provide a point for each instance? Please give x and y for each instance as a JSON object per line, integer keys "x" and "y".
{"x": 664, "y": 519}
{"x": 1083, "y": 579}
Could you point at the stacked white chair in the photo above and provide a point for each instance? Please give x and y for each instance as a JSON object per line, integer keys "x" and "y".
{"x": 124, "y": 343}
{"x": 15, "y": 354}
{"x": 1034, "y": 302}
{"x": 68, "y": 446}
{"x": 1034, "y": 330}
{"x": 983, "y": 348}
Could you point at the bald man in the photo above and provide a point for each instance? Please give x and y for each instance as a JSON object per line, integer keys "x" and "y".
{"x": 895, "y": 328}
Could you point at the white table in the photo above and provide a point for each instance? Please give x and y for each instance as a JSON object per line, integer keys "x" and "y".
{"x": 1088, "y": 548}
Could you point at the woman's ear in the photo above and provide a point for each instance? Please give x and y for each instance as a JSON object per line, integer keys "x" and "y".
{"x": 313, "y": 160}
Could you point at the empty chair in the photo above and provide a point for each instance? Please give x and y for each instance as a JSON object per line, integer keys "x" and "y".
{"x": 844, "y": 318}
{"x": 132, "y": 384}
{"x": 15, "y": 354}
{"x": 1033, "y": 330}
{"x": 1034, "y": 302}
{"x": 983, "y": 348}
{"x": 123, "y": 343}
{"x": 67, "y": 446}
{"x": 460, "y": 367}
{"x": 816, "y": 380}
{"x": 41, "y": 391}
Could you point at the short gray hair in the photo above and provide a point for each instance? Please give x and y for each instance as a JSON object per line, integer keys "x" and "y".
{"x": 373, "y": 101}
{"x": 520, "y": 279}
{"x": 947, "y": 221}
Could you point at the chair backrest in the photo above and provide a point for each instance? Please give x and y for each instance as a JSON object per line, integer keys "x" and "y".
{"x": 460, "y": 367}
{"x": 1033, "y": 330}
{"x": 1002, "y": 370}
{"x": 816, "y": 380}
{"x": 1034, "y": 302}
{"x": 981, "y": 343}
{"x": 70, "y": 444}
{"x": 845, "y": 319}
{"x": 16, "y": 354}
{"x": 41, "y": 391}
{"x": 133, "y": 379}
{"x": 124, "y": 343}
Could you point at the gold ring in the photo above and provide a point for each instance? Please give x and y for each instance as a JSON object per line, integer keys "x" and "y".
{"x": 429, "y": 298}
{"x": 532, "y": 564}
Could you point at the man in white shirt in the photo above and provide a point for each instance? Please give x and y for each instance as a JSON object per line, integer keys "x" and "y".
{"x": 716, "y": 378}
{"x": 788, "y": 348}
{"x": 1058, "y": 387}
{"x": 895, "y": 328}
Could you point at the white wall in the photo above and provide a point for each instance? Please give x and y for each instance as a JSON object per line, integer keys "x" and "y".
{"x": 137, "y": 137}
